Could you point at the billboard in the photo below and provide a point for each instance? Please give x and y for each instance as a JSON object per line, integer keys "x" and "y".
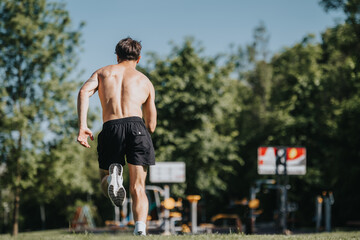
{"x": 272, "y": 160}
{"x": 168, "y": 172}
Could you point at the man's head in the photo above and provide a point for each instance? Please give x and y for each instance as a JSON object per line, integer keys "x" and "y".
{"x": 128, "y": 50}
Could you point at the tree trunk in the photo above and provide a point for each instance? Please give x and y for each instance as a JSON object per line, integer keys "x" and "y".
{"x": 16, "y": 208}
{"x": 42, "y": 216}
{"x": 17, "y": 189}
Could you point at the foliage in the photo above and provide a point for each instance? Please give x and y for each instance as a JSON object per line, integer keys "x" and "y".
{"x": 306, "y": 95}
{"x": 189, "y": 90}
{"x": 38, "y": 52}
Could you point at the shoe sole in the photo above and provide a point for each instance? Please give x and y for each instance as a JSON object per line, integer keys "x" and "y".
{"x": 119, "y": 199}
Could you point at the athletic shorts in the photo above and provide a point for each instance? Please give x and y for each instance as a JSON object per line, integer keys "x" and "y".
{"x": 125, "y": 137}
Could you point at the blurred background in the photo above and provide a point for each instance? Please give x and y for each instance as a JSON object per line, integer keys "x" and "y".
{"x": 229, "y": 76}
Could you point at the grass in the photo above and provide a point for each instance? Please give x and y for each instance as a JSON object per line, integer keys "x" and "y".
{"x": 63, "y": 235}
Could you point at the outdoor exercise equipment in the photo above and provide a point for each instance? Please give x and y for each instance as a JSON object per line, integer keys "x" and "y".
{"x": 193, "y": 199}
{"x": 82, "y": 219}
{"x": 326, "y": 199}
{"x": 254, "y": 203}
{"x": 161, "y": 218}
{"x": 166, "y": 173}
{"x": 282, "y": 162}
{"x": 225, "y": 223}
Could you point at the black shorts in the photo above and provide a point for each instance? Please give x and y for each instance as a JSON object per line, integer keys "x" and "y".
{"x": 125, "y": 136}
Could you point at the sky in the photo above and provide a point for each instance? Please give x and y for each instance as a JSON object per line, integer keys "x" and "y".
{"x": 215, "y": 24}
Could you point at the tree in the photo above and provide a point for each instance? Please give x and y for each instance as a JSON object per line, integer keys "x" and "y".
{"x": 347, "y": 42}
{"x": 315, "y": 91}
{"x": 189, "y": 89}
{"x": 252, "y": 91}
{"x": 37, "y": 54}
{"x": 341, "y": 76}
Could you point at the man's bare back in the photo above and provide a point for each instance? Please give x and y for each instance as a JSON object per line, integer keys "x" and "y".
{"x": 122, "y": 91}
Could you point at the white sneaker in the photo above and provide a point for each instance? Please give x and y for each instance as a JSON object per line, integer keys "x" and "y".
{"x": 116, "y": 190}
{"x": 140, "y": 228}
{"x": 139, "y": 233}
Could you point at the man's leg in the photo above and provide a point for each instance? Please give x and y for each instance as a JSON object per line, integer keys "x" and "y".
{"x": 140, "y": 202}
{"x": 104, "y": 174}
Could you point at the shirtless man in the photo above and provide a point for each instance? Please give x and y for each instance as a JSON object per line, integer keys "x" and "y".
{"x": 126, "y": 95}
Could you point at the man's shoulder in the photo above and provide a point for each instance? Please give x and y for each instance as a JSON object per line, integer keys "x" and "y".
{"x": 142, "y": 76}
{"x": 107, "y": 68}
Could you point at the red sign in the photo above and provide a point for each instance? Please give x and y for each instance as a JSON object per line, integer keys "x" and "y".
{"x": 295, "y": 160}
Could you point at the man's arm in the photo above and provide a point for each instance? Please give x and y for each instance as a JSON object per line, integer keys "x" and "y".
{"x": 86, "y": 91}
{"x": 149, "y": 110}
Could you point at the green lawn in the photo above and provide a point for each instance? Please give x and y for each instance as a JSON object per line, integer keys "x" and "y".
{"x": 60, "y": 235}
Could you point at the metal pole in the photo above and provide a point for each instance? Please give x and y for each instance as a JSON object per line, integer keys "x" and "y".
{"x": 117, "y": 214}
{"x": 327, "y": 214}
{"x": 193, "y": 199}
{"x": 131, "y": 215}
{"x": 167, "y": 211}
{"x": 251, "y": 228}
{"x": 285, "y": 193}
{"x": 124, "y": 212}
{"x": 318, "y": 215}
{"x": 283, "y": 207}
{"x": 193, "y": 217}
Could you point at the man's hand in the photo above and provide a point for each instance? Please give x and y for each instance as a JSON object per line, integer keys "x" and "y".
{"x": 84, "y": 133}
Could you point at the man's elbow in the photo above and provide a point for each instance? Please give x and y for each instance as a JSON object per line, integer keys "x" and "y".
{"x": 151, "y": 127}
{"x": 85, "y": 93}
{"x": 81, "y": 94}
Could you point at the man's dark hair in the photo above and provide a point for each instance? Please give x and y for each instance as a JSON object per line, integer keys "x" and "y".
{"x": 128, "y": 49}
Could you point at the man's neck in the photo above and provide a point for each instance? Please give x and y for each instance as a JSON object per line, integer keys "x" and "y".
{"x": 126, "y": 63}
